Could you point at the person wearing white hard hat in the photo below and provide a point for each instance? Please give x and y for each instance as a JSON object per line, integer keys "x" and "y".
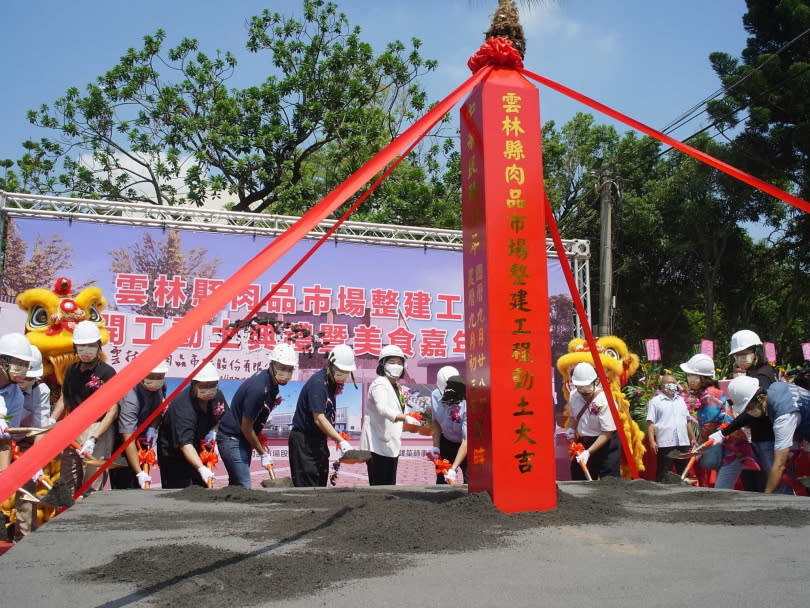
{"x": 787, "y": 405}
{"x": 593, "y": 426}
{"x": 15, "y": 359}
{"x": 133, "y": 409}
{"x": 189, "y": 426}
{"x": 240, "y": 430}
{"x": 749, "y": 357}
{"x": 82, "y": 379}
{"x": 313, "y": 423}
{"x": 710, "y": 409}
{"x": 452, "y": 418}
{"x": 448, "y": 434}
{"x": 35, "y": 412}
{"x": 385, "y": 413}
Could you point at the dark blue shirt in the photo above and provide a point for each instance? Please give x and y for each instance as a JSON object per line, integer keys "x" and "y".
{"x": 317, "y": 397}
{"x": 186, "y": 423}
{"x": 255, "y": 398}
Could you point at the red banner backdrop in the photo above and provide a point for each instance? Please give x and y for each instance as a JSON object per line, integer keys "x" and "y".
{"x": 509, "y": 392}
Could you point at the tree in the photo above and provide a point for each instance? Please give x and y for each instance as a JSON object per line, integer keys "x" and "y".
{"x": 49, "y": 259}
{"x": 164, "y": 128}
{"x": 154, "y": 258}
{"x": 766, "y": 94}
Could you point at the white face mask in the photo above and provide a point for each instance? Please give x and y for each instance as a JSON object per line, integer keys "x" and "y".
{"x": 340, "y": 376}
{"x": 744, "y": 360}
{"x": 86, "y": 352}
{"x": 17, "y": 372}
{"x": 152, "y": 385}
{"x": 671, "y": 387}
{"x": 394, "y": 369}
{"x": 206, "y": 394}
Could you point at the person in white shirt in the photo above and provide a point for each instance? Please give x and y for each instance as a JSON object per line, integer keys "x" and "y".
{"x": 385, "y": 413}
{"x": 35, "y": 412}
{"x": 593, "y": 426}
{"x": 668, "y": 429}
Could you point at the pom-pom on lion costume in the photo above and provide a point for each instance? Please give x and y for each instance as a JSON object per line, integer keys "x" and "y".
{"x": 619, "y": 364}
{"x": 52, "y": 316}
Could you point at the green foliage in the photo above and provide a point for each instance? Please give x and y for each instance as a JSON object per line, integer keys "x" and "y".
{"x": 162, "y": 126}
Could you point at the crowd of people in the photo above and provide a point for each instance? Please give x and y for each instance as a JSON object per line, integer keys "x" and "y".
{"x": 747, "y": 436}
{"x": 198, "y": 427}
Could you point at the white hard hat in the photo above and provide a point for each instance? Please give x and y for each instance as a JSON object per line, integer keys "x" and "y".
{"x": 342, "y": 357}
{"x": 391, "y": 350}
{"x": 700, "y": 364}
{"x": 740, "y": 391}
{"x": 445, "y": 373}
{"x": 285, "y": 354}
{"x": 35, "y": 368}
{"x": 161, "y": 368}
{"x": 208, "y": 373}
{"x": 16, "y": 345}
{"x": 744, "y": 339}
{"x": 86, "y": 332}
{"x": 583, "y": 374}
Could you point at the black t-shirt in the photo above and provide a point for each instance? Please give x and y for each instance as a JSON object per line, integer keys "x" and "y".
{"x": 186, "y": 423}
{"x": 255, "y": 398}
{"x": 317, "y": 397}
{"x": 80, "y": 384}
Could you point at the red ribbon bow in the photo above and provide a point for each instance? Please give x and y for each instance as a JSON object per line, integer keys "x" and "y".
{"x": 497, "y": 52}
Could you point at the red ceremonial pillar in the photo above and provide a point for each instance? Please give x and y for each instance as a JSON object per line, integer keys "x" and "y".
{"x": 510, "y": 417}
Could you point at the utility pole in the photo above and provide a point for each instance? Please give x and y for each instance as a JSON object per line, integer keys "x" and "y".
{"x": 606, "y": 251}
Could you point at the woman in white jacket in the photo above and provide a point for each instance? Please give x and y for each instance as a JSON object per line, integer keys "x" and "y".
{"x": 385, "y": 412}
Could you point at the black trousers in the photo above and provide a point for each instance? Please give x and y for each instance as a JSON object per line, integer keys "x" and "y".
{"x": 309, "y": 459}
{"x": 123, "y": 478}
{"x": 602, "y": 463}
{"x": 382, "y": 470}
{"x": 449, "y": 450}
{"x": 664, "y": 463}
{"x": 177, "y": 472}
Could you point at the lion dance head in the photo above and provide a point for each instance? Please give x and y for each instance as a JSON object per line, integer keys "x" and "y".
{"x": 52, "y": 314}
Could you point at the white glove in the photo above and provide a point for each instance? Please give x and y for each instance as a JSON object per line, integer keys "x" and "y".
{"x": 413, "y": 421}
{"x": 717, "y": 438}
{"x": 571, "y": 434}
{"x": 3, "y": 430}
{"x": 583, "y": 457}
{"x": 210, "y": 437}
{"x": 266, "y": 459}
{"x": 151, "y": 435}
{"x": 433, "y": 453}
{"x": 51, "y": 421}
{"x": 205, "y": 473}
{"x": 87, "y": 448}
{"x": 37, "y": 476}
{"x": 144, "y": 478}
{"x": 450, "y": 476}
{"x": 344, "y": 446}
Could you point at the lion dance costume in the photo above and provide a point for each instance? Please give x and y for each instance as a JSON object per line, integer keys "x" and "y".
{"x": 620, "y": 364}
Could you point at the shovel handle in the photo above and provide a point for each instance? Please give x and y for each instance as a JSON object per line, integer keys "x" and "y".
{"x": 270, "y": 471}
{"x": 585, "y": 470}
{"x": 688, "y": 468}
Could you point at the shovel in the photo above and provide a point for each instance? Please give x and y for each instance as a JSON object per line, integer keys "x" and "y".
{"x": 355, "y": 457}
{"x": 58, "y": 496}
{"x": 28, "y": 431}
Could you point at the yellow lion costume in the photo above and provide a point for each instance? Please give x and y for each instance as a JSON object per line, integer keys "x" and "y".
{"x": 619, "y": 364}
{"x": 52, "y": 316}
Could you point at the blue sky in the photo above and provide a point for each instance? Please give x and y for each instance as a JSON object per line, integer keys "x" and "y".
{"x": 646, "y": 58}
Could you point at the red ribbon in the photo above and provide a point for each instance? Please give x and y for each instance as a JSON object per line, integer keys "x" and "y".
{"x": 496, "y": 52}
